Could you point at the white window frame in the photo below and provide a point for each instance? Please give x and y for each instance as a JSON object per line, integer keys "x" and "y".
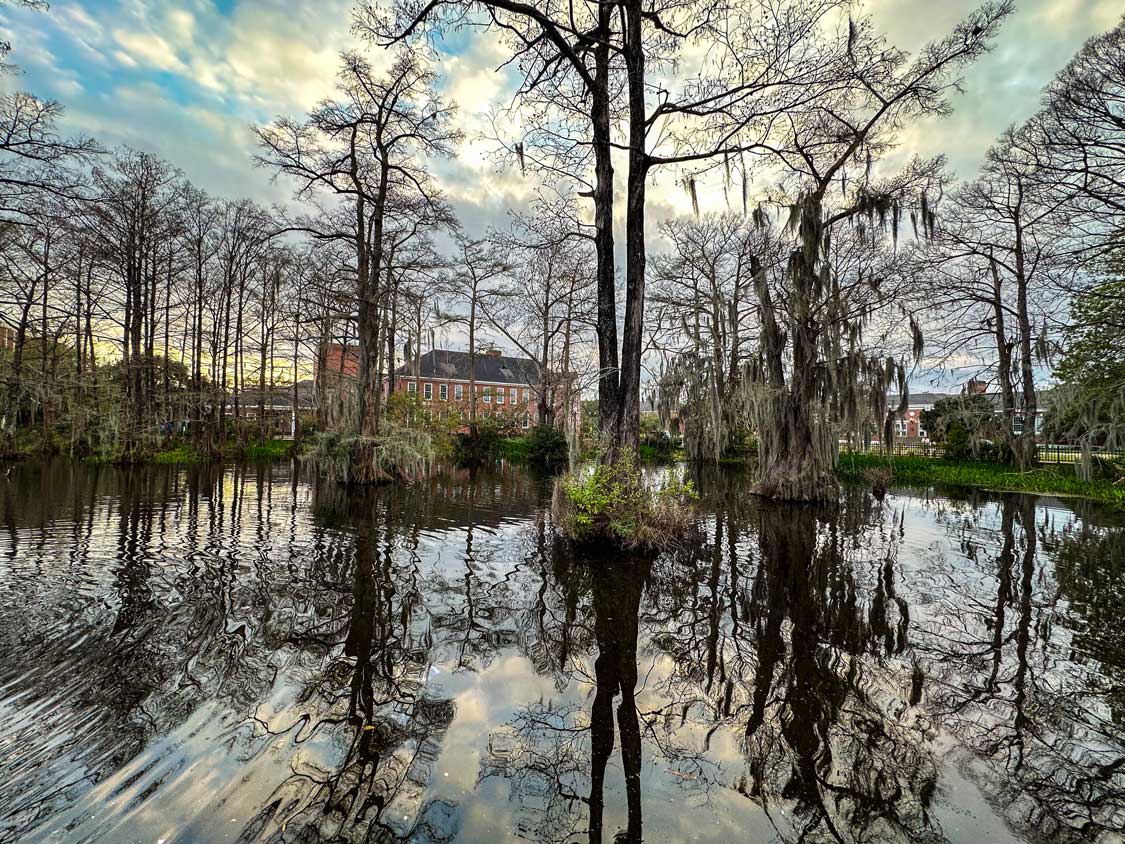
{"x": 527, "y": 420}
{"x": 412, "y": 387}
{"x": 443, "y": 392}
{"x": 500, "y": 395}
{"x": 458, "y": 392}
{"x": 428, "y": 391}
{"x": 487, "y": 395}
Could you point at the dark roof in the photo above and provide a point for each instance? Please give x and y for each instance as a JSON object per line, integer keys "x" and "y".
{"x": 997, "y": 399}
{"x": 445, "y": 363}
{"x": 282, "y": 395}
{"x": 918, "y": 399}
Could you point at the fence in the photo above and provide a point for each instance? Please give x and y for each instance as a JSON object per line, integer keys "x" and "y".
{"x": 1055, "y": 453}
{"x": 911, "y": 448}
{"x": 1047, "y": 452}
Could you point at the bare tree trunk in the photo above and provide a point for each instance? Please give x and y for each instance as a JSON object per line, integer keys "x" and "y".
{"x": 1025, "y": 443}
{"x": 629, "y": 420}
{"x": 1003, "y": 354}
{"x": 609, "y": 405}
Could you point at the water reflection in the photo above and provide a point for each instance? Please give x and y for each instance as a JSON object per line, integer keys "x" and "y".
{"x": 245, "y": 654}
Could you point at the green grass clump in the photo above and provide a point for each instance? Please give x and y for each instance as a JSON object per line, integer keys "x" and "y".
{"x": 268, "y": 450}
{"x": 925, "y": 471}
{"x": 517, "y": 449}
{"x": 179, "y": 454}
{"x": 616, "y": 503}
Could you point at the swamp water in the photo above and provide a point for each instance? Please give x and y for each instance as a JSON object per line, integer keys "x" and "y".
{"x": 240, "y": 654}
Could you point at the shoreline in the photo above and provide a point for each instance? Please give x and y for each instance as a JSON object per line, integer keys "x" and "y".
{"x": 927, "y": 471}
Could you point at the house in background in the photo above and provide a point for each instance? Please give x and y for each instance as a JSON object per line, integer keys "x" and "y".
{"x": 506, "y": 386}
{"x": 908, "y": 424}
{"x": 281, "y": 415}
{"x": 336, "y": 361}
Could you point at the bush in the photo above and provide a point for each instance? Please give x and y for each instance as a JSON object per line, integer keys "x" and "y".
{"x": 879, "y": 477}
{"x": 397, "y": 453}
{"x": 547, "y": 446}
{"x": 268, "y": 450}
{"x": 614, "y": 502}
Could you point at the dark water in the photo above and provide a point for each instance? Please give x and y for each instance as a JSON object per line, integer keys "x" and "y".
{"x": 240, "y": 655}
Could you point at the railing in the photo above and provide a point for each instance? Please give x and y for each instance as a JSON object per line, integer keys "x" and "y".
{"x": 913, "y": 448}
{"x": 1055, "y": 453}
{"x": 1047, "y": 452}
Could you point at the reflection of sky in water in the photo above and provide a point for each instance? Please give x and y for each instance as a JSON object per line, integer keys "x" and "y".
{"x": 206, "y": 655}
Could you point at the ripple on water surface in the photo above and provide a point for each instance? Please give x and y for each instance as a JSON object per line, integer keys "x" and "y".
{"x": 239, "y": 654}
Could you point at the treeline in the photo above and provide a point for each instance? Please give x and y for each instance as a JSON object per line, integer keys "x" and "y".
{"x": 137, "y": 308}
{"x": 1006, "y": 277}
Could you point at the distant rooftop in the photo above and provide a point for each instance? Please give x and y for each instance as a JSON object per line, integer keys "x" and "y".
{"x": 490, "y": 366}
{"x": 918, "y": 399}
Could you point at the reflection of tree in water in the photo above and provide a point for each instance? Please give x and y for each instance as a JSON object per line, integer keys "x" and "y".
{"x": 823, "y": 731}
{"x": 787, "y": 660}
{"x": 555, "y": 756}
{"x": 772, "y": 655}
{"x": 225, "y": 595}
{"x": 385, "y": 728}
{"x": 1034, "y": 703}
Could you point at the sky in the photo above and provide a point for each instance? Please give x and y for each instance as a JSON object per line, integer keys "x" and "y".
{"x": 189, "y": 81}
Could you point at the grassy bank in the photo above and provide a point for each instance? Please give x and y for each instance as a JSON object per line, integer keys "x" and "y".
{"x": 924, "y": 471}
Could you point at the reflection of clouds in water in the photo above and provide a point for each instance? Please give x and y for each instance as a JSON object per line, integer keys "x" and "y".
{"x": 426, "y": 663}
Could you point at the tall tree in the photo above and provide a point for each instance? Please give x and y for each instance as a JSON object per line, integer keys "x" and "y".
{"x": 812, "y": 365}
{"x": 363, "y": 146}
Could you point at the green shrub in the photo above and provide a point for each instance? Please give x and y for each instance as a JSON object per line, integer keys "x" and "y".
{"x": 182, "y": 453}
{"x": 269, "y": 450}
{"x": 396, "y": 453}
{"x": 547, "y": 446}
{"x": 614, "y": 502}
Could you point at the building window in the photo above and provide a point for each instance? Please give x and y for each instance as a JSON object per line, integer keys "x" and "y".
{"x": 512, "y": 394}
{"x": 500, "y": 396}
{"x": 411, "y": 387}
{"x": 1017, "y": 425}
{"x": 527, "y": 420}
{"x": 523, "y": 396}
{"x": 458, "y": 392}
{"x": 488, "y": 395}
{"x": 443, "y": 392}
{"x": 427, "y": 391}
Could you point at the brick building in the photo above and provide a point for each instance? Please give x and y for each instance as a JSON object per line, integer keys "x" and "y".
{"x": 337, "y": 361}
{"x": 908, "y": 424}
{"x": 505, "y": 386}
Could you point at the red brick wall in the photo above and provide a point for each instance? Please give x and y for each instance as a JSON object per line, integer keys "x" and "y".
{"x": 340, "y": 360}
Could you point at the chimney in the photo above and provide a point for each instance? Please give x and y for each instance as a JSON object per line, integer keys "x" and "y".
{"x": 494, "y": 353}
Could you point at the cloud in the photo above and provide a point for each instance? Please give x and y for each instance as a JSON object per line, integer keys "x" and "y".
{"x": 148, "y": 49}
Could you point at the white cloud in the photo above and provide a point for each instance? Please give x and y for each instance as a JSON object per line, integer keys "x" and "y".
{"x": 147, "y": 48}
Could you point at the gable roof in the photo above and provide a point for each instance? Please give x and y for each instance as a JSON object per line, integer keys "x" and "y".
{"x": 442, "y": 364}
